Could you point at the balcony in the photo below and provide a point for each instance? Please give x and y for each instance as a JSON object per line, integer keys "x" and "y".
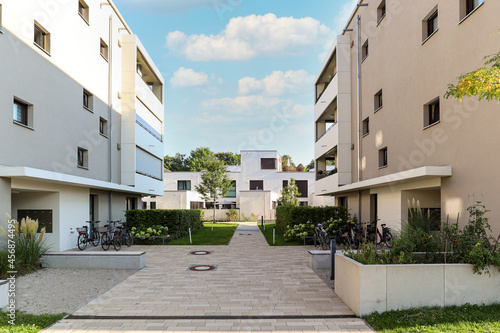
{"x": 327, "y": 142}
{"x": 148, "y": 98}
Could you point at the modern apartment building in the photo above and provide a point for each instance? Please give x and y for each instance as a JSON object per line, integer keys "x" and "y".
{"x": 257, "y": 185}
{"x": 82, "y": 115}
{"x": 381, "y": 117}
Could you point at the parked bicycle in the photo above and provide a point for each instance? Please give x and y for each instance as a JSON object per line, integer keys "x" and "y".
{"x": 124, "y": 233}
{"x": 88, "y": 235}
{"x": 110, "y": 236}
{"x": 384, "y": 237}
{"x": 346, "y": 237}
{"x": 321, "y": 237}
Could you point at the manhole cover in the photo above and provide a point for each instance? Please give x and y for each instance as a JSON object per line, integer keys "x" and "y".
{"x": 245, "y": 234}
{"x": 201, "y": 253}
{"x": 201, "y": 268}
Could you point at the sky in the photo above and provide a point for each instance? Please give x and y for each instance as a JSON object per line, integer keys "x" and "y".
{"x": 239, "y": 74}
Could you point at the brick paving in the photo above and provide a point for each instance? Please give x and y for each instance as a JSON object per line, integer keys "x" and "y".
{"x": 253, "y": 287}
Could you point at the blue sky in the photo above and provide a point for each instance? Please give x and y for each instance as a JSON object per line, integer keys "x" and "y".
{"x": 238, "y": 74}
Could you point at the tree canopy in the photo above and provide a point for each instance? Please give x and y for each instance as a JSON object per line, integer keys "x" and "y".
{"x": 197, "y": 159}
{"x": 483, "y": 82}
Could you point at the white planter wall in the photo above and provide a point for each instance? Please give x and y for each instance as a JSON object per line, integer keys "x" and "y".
{"x": 379, "y": 288}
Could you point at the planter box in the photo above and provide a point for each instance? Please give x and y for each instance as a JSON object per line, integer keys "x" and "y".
{"x": 379, "y": 288}
{"x": 319, "y": 259}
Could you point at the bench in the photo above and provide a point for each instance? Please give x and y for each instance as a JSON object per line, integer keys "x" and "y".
{"x": 308, "y": 237}
{"x": 95, "y": 259}
{"x": 150, "y": 238}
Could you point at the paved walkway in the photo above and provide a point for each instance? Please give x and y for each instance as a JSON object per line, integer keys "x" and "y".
{"x": 254, "y": 287}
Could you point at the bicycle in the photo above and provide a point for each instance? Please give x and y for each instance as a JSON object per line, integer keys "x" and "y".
{"x": 109, "y": 235}
{"x": 346, "y": 237}
{"x": 321, "y": 237}
{"x": 86, "y": 236}
{"x": 385, "y": 237}
{"x": 125, "y": 234}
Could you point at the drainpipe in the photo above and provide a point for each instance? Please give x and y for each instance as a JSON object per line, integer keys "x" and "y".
{"x": 358, "y": 23}
{"x": 110, "y": 112}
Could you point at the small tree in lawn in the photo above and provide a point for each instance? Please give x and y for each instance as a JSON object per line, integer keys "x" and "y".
{"x": 215, "y": 182}
{"x": 289, "y": 195}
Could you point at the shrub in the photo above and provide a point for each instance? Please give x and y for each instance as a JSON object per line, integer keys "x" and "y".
{"x": 147, "y": 232}
{"x": 232, "y": 215}
{"x": 178, "y": 221}
{"x": 291, "y": 216}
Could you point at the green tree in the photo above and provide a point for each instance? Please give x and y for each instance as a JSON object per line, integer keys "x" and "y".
{"x": 176, "y": 163}
{"x": 310, "y": 166}
{"x": 287, "y": 161}
{"x": 289, "y": 195}
{"x": 229, "y": 158}
{"x": 215, "y": 181}
{"x": 198, "y": 158}
{"x": 483, "y": 82}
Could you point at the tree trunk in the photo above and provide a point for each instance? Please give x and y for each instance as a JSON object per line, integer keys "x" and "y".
{"x": 214, "y": 210}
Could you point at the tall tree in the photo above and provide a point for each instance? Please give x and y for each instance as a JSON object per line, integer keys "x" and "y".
{"x": 176, "y": 163}
{"x": 229, "y": 158}
{"x": 310, "y": 166}
{"x": 483, "y": 82}
{"x": 289, "y": 195}
{"x": 199, "y": 157}
{"x": 215, "y": 181}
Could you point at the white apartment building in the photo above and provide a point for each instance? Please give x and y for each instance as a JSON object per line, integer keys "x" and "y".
{"x": 257, "y": 185}
{"x": 82, "y": 115}
{"x": 380, "y": 114}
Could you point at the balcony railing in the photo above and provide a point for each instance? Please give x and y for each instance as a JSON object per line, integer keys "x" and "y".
{"x": 323, "y": 174}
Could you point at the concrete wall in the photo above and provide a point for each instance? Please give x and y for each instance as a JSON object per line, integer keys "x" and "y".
{"x": 379, "y": 288}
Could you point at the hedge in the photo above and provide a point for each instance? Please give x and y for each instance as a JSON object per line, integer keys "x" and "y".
{"x": 178, "y": 221}
{"x": 292, "y": 215}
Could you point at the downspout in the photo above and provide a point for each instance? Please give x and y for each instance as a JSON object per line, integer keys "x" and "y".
{"x": 110, "y": 113}
{"x": 358, "y": 23}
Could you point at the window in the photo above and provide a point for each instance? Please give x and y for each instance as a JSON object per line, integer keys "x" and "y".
{"x": 21, "y": 111}
{"x": 152, "y": 205}
{"x": 303, "y": 203}
{"x": 184, "y": 185}
{"x": 285, "y": 183}
{"x": 302, "y": 187}
{"x": 430, "y": 24}
{"x": 431, "y": 113}
{"x": 196, "y": 205}
{"x": 342, "y": 202}
{"x": 468, "y": 6}
{"x": 131, "y": 203}
{"x": 83, "y": 10}
{"x": 256, "y": 185}
{"x": 378, "y": 101}
{"x": 381, "y": 11}
{"x": 366, "y": 126}
{"x": 88, "y": 100}
{"x": 382, "y": 157}
{"x": 268, "y": 163}
{"x": 104, "y": 49}
{"x": 103, "y": 127}
{"x": 82, "y": 158}
{"x": 364, "y": 50}
{"x": 42, "y": 38}
{"x": 232, "y": 190}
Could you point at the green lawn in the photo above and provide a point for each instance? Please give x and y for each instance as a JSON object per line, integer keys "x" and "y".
{"x": 467, "y": 318}
{"x": 280, "y": 241}
{"x": 205, "y": 236}
{"x": 27, "y": 322}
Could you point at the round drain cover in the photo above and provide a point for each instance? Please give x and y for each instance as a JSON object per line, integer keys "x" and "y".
{"x": 202, "y": 268}
{"x": 200, "y": 253}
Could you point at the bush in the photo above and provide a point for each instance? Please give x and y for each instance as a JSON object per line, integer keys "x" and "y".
{"x": 232, "y": 215}
{"x": 178, "y": 221}
{"x": 291, "y": 215}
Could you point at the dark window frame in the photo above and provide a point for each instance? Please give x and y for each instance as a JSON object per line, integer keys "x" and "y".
{"x": 24, "y": 112}
{"x": 432, "y": 114}
{"x": 41, "y": 37}
{"x": 366, "y": 126}
{"x": 83, "y": 11}
{"x": 381, "y": 11}
{"x": 383, "y": 159}
{"x": 265, "y": 163}
{"x": 378, "y": 101}
{"x": 364, "y": 50}
{"x": 104, "y": 50}
{"x": 254, "y": 185}
{"x": 303, "y": 187}
{"x": 230, "y": 192}
{"x": 185, "y": 187}
{"x": 82, "y": 158}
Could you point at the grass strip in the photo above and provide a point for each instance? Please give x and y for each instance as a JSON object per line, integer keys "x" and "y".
{"x": 221, "y": 235}
{"x": 27, "y": 322}
{"x": 466, "y": 318}
{"x": 280, "y": 240}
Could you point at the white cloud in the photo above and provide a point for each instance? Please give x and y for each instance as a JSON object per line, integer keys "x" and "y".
{"x": 277, "y": 83}
{"x": 167, "y": 6}
{"x": 187, "y": 77}
{"x": 343, "y": 15}
{"x": 251, "y": 36}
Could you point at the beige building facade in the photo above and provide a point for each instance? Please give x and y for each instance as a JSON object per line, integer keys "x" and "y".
{"x": 381, "y": 118}
{"x": 82, "y": 115}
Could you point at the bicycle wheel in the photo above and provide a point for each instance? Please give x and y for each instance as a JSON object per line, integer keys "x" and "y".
{"x": 388, "y": 239}
{"x": 128, "y": 238}
{"x": 82, "y": 241}
{"x": 105, "y": 242}
{"x": 325, "y": 242}
{"x": 345, "y": 242}
{"x": 117, "y": 242}
{"x": 96, "y": 238}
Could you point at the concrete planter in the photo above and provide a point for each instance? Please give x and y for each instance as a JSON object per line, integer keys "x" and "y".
{"x": 379, "y": 288}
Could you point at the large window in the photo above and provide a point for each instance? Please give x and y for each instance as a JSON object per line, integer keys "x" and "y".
{"x": 232, "y": 190}
{"x": 184, "y": 185}
{"x": 431, "y": 113}
{"x": 42, "y": 38}
{"x": 256, "y": 185}
{"x": 83, "y": 10}
{"x": 382, "y": 158}
{"x": 268, "y": 163}
{"x": 302, "y": 187}
{"x": 430, "y": 24}
{"x": 21, "y": 113}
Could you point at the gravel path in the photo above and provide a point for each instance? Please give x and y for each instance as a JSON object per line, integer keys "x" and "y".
{"x": 324, "y": 275}
{"x": 54, "y": 290}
